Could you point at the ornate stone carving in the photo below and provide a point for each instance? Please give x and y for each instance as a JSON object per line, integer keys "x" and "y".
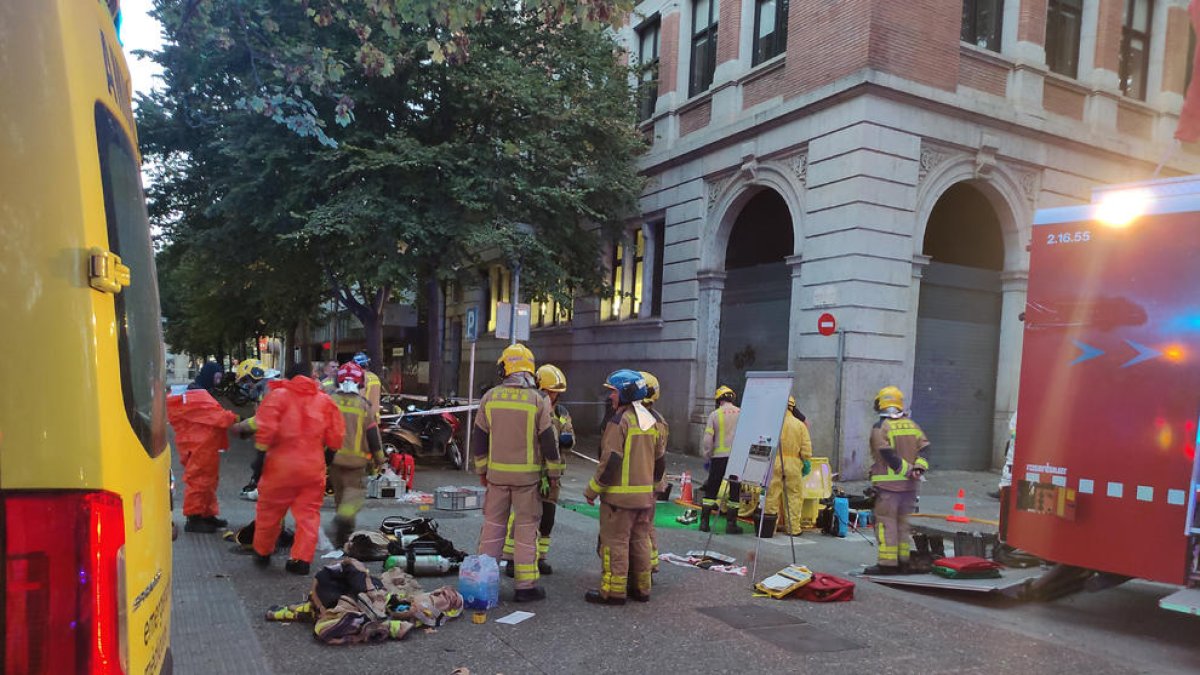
{"x": 798, "y": 165}
{"x": 716, "y": 187}
{"x": 931, "y": 158}
{"x": 1031, "y": 184}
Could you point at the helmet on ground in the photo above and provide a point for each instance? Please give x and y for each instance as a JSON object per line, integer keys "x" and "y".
{"x": 362, "y": 359}
{"x": 351, "y": 372}
{"x": 724, "y": 393}
{"x": 652, "y": 385}
{"x": 629, "y": 385}
{"x": 550, "y": 378}
{"x": 890, "y": 401}
{"x": 516, "y": 358}
{"x": 251, "y": 368}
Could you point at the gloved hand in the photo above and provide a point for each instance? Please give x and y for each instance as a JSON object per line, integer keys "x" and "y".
{"x": 591, "y": 499}
{"x": 916, "y": 473}
{"x": 707, "y": 464}
{"x": 590, "y": 495}
{"x": 566, "y": 441}
{"x": 807, "y": 468}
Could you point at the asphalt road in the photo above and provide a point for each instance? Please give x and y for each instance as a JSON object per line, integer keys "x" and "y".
{"x": 220, "y": 598}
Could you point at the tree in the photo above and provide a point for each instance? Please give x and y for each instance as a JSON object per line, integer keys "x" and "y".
{"x": 431, "y": 138}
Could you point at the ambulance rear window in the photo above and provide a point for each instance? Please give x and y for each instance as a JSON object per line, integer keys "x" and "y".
{"x": 139, "y": 333}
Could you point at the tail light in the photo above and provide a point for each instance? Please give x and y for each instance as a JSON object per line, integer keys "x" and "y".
{"x": 64, "y": 596}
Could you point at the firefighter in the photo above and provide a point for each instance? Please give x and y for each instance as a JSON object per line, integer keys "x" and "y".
{"x": 552, "y": 383}
{"x": 654, "y": 390}
{"x": 329, "y": 373}
{"x": 201, "y": 433}
{"x": 514, "y": 442}
{"x": 374, "y": 386}
{"x": 296, "y": 422}
{"x": 718, "y": 440}
{"x": 631, "y": 465}
{"x": 792, "y": 463}
{"x": 900, "y": 452}
{"x": 360, "y": 445}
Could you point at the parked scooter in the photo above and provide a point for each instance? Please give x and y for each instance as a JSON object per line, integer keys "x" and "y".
{"x": 427, "y": 436}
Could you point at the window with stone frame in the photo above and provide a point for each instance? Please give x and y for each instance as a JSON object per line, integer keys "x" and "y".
{"x": 705, "y": 14}
{"x": 1135, "y": 47}
{"x": 1064, "y": 23}
{"x": 499, "y": 290}
{"x": 981, "y": 23}
{"x": 635, "y": 274}
{"x": 770, "y": 29}
{"x": 551, "y": 312}
{"x": 648, "y": 41}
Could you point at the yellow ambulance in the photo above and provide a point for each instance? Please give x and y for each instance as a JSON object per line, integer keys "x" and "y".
{"x": 85, "y": 519}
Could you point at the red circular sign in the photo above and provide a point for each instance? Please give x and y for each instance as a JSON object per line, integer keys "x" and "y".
{"x": 826, "y": 324}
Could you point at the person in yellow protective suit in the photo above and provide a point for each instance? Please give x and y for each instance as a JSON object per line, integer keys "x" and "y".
{"x": 900, "y": 452}
{"x": 296, "y": 422}
{"x": 664, "y": 431}
{"x": 552, "y": 383}
{"x": 792, "y": 463}
{"x": 631, "y": 465}
{"x": 513, "y": 444}
{"x": 360, "y": 445}
{"x": 716, "y": 444}
{"x": 201, "y": 434}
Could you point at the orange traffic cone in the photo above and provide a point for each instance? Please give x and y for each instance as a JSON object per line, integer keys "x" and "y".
{"x": 685, "y": 486}
{"x": 960, "y": 509}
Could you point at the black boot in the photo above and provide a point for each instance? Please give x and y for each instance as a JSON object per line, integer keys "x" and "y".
{"x": 342, "y": 529}
{"x": 596, "y": 598}
{"x": 544, "y": 567}
{"x": 529, "y": 594}
{"x": 199, "y": 524}
{"x": 882, "y": 570}
{"x": 705, "y": 514}
{"x": 297, "y": 567}
{"x": 218, "y": 522}
{"x": 921, "y": 560}
{"x": 937, "y": 547}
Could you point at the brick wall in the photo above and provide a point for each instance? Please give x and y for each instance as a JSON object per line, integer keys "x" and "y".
{"x": 696, "y": 118}
{"x": 1063, "y": 100}
{"x": 918, "y": 40}
{"x": 668, "y": 50}
{"x": 826, "y": 41}
{"x": 980, "y": 73}
{"x": 1108, "y": 34}
{"x": 1134, "y": 121}
{"x": 1031, "y": 21}
{"x": 1175, "y": 64}
{"x": 763, "y": 88}
{"x": 728, "y": 30}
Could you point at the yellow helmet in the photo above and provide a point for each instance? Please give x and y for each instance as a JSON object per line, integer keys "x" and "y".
{"x": 516, "y": 358}
{"x": 889, "y": 397}
{"x": 724, "y": 393}
{"x": 550, "y": 378}
{"x": 652, "y": 384}
{"x": 251, "y": 368}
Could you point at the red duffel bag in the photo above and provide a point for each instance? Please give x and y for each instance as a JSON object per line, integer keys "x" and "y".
{"x": 826, "y": 588}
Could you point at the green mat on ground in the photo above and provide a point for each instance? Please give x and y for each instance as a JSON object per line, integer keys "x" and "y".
{"x": 665, "y": 513}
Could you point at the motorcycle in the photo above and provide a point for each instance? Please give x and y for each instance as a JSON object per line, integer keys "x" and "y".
{"x": 431, "y": 435}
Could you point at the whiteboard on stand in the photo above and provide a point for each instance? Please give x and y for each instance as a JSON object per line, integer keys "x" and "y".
{"x": 764, "y": 404}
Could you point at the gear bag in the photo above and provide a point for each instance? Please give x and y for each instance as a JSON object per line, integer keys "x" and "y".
{"x": 826, "y": 588}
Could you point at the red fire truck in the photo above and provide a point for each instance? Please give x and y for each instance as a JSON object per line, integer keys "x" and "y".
{"x": 1105, "y": 473}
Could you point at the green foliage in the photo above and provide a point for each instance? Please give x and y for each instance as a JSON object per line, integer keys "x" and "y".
{"x": 371, "y": 146}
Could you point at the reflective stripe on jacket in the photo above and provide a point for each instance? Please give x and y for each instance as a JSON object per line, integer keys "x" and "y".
{"x": 356, "y": 414}
{"x": 513, "y": 417}
{"x": 718, "y": 433}
{"x": 902, "y": 439}
{"x": 630, "y": 463}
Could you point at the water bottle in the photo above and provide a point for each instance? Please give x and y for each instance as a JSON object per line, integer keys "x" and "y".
{"x": 841, "y": 512}
{"x": 479, "y": 584}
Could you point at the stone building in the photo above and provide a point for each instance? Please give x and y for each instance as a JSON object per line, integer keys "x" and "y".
{"x": 877, "y": 160}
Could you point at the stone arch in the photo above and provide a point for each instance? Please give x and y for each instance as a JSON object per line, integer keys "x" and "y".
{"x": 727, "y": 198}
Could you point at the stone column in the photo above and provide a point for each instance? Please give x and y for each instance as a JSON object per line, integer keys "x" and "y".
{"x": 1013, "y": 285}
{"x": 1028, "y": 48}
{"x": 670, "y": 74}
{"x": 708, "y": 326}
{"x": 795, "y": 263}
{"x": 1100, "y": 110}
{"x": 726, "y": 95}
{"x": 1169, "y": 66}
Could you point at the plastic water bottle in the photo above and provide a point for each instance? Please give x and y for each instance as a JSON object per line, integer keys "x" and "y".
{"x": 479, "y": 584}
{"x": 841, "y": 511}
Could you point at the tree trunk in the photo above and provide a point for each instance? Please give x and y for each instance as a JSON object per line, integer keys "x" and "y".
{"x": 289, "y": 347}
{"x": 436, "y": 300}
{"x": 373, "y": 333}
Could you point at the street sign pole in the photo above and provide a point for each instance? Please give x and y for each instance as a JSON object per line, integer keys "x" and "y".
{"x": 837, "y": 400}
{"x": 516, "y": 299}
{"x": 472, "y": 321}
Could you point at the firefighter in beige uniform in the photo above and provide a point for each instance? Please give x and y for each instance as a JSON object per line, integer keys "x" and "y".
{"x": 514, "y": 442}
{"x": 631, "y": 464}
{"x": 664, "y": 431}
{"x": 900, "y": 453}
{"x": 361, "y": 448}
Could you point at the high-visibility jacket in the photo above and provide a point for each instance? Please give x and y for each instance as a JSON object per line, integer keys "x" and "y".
{"x": 515, "y": 438}
{"x": 897, "y": 447}
{"x": 632, "y": 462}
{"x": 355, "y": 450}
{"x": 718, "y": 433}
{"x": 296, "y": 422}
{"x": 372, "y": 391}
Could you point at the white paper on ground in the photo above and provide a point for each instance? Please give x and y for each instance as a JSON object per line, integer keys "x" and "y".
{"x": 515, "y": 617}
{"x": 334, "y": 554}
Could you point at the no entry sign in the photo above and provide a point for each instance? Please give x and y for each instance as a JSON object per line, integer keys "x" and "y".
{"x": 826, "y": 324}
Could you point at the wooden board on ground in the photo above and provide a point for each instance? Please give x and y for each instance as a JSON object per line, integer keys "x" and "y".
{"x": 1012, "y": 581}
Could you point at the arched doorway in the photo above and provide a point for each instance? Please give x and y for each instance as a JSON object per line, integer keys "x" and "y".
{"x": 958, "y": 329}
{"x": 756, "y": 302}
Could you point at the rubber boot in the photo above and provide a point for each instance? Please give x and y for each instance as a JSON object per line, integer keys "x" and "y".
{"x": 766, "y": 526}
{"x": 937, "y": 547}
{"x": 705, "y": 514}
{"x": 731, "y": 521}
{"x": 342, "y": 529}
{"x": 732, "y": 503}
